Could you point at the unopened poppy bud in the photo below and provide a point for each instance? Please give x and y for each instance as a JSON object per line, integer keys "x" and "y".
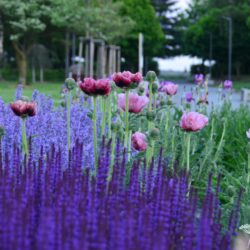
{"x": 70, "y": 83}
{"x": 150, "y": 116}
{"x": 154, "y": 88}
{"x": 162, "y": 103}
{"x": 151, "y": 76}
{"x": 154, "y": 133}
{"x": 115, "y": 127}
{"x": 141, "y": 90}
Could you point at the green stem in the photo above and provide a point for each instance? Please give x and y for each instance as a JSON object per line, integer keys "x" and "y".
{"x": 129, "y": 145}
{"x": 248, "y": 172}
{"x": 103, "y": 115}
{"x": 188, "y": 151}
{"x": 150, "y": 97}
{"x": 113, "y": 143}
{"x": 95, "y": 132}
{"x": 68, "y": 119}
{"x": 127, "y": 119}
{"x": 109, "y": 117}
{"x": 221, "y": 142}
{"x": 24, "y": 138}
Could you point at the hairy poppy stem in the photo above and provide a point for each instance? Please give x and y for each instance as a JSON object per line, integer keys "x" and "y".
{"x": 127, "y": 119}
{"x": 24, "y": 137}
{"x": 188, "y": 151}
{"x": 248, "y": 170}
{"x": 109, "y": 117}
{"x": 95, "y": 132}
{"x": 104, "y": 101}
{"x": 68, "y": 118}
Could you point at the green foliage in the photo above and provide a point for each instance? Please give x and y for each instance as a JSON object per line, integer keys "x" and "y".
{"x": 146, "y": 22}
{"x": 22, "y": 18}
{"x": 99, "y": 20}
{"x": 206, "y": 18}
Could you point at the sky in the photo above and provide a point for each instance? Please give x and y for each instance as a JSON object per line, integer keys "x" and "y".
{"x": 180, "y": 63}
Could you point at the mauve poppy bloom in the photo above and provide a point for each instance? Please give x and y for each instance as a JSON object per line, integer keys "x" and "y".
{"x": 139, "y": 141}
{"x": 136, "y": 102}
{"x": 23, "y": 109}
{"x": 199, "y": 78}
{"x": 228, "y": 84}
{"x": 94, "y": 87}
{"x": 169, "y": 88}
{"x": 189, "y": 97}
{"x": 126, "y": 79}
{"x": 193, "y": 121}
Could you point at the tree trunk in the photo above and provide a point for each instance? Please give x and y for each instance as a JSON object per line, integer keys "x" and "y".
{"x": 21, "y": 59}
{"x": 238, "y": 70}
{"x": 41, "y": 75}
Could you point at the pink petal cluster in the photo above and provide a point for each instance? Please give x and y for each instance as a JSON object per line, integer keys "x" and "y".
{"x": 23, "y": 108}
{"x": 169, "y": 88}
{"x": 125, "y": 79}
{"x": 228, "y": 84}
{"x": 139, "y": 141}
{"x": 193, "y": 121}
{"x": 94, "y": 87}
{"x": 136, "y": 102}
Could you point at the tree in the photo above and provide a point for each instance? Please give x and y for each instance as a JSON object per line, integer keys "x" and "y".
{"x": 146, "y": 22}
{"x": 171, "y": 25}
{"x": 207, "y": 17}
{"x": 26, "y": 20}
{"x": 22, "y": 20}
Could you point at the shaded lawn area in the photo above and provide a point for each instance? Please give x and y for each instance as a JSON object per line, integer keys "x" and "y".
{"x": 239, "y": 85}
{"x": 8, "y": 90}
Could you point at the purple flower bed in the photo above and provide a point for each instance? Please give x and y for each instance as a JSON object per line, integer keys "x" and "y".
{"x": 49, "y": 207}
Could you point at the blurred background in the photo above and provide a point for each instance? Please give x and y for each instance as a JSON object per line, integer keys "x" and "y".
{"x": 44, "y": 41}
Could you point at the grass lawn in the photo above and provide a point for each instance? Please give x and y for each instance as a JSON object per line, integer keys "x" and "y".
{"x": 239, "y": 85}
{"x": 8, "y": 90}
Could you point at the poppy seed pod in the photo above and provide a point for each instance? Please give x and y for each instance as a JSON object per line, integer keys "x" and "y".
{"x": 151, "y": 76}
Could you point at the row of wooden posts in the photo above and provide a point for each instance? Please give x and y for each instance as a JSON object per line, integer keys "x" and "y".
{"x": 100, "y": 60}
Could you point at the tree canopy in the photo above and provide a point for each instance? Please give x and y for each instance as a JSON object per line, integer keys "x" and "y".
{"x": 209, "y": 17}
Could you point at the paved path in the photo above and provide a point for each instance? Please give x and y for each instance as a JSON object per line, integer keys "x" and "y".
{"x": 214, "y": 95}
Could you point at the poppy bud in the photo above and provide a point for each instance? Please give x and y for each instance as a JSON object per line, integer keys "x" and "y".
{"x": 154, "y": 88}
{"x": 150, "y": 116}
{"x": 151, "y": 76}
{"x": 154, "y": 133}
{"x": 70, "y": 83}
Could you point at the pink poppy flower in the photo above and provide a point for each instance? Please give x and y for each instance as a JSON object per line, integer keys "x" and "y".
{"x": 193, "y": 121}
{"x": 139, "y": 141}
{"x": 228, "y": 84}
{"x": 23, "y": 108}
{"x": 136, "y": 102}
{"x": 126, "y": 79}
{"x": 170, "y": 88}
{"x": 94, "y": 87}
